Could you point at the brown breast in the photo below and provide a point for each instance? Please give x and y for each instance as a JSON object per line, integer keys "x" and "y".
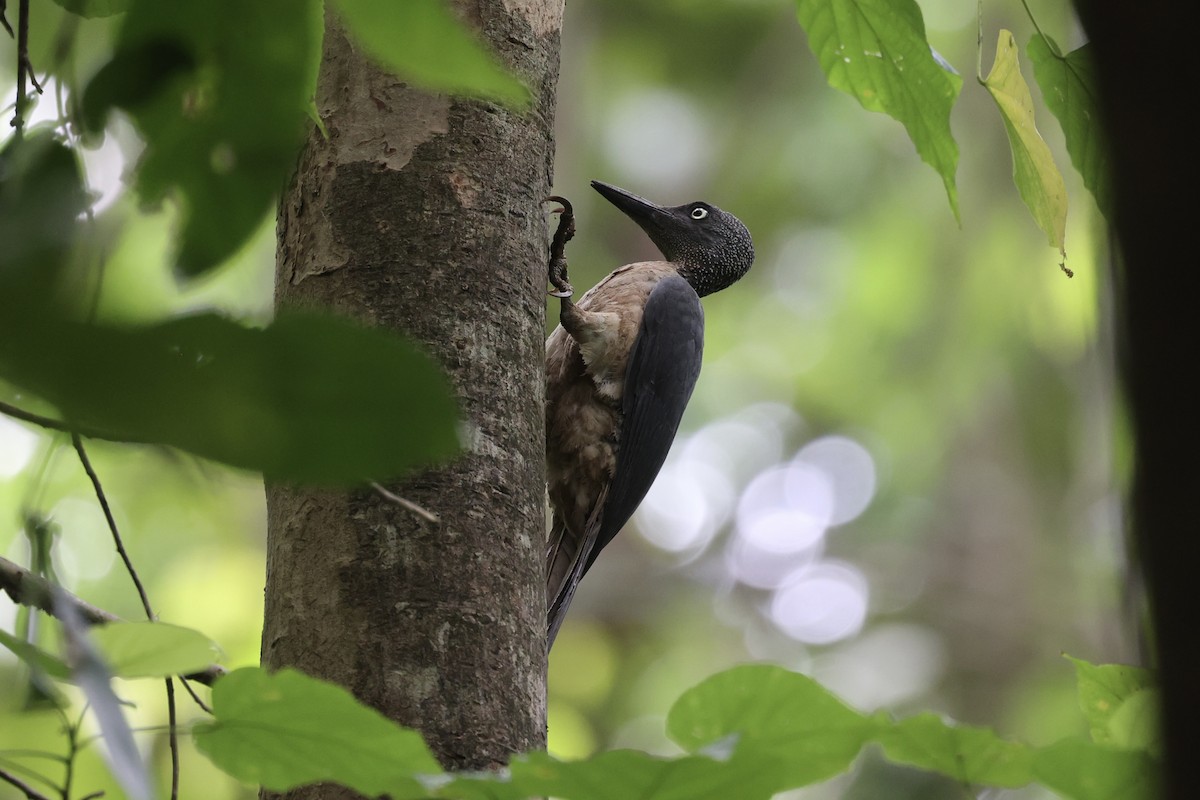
{"x": 585, "y": 376}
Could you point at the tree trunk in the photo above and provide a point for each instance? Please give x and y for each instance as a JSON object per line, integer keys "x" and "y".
{"x": 1144, "y": 53}
{"x": 422, "y": 213}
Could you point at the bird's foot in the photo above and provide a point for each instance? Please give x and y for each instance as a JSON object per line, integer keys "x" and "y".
{"x": 558, "y": 246}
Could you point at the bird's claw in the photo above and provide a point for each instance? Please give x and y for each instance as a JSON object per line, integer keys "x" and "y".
{"x": 566, "y": 205}
{"x": 558, "y": 278}
{"x": 558, "y": 245}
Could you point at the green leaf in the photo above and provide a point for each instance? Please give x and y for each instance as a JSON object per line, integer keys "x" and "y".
{"x": 1037, "y": 177}
{"x": 1068, "y": 85}
{"x": 422, "y": 41}
{"x": 41, "y": 198}
{"x": 152, "y": 649}
{"x": 310, "y": 398}
{"x": 622, "y": 774}
{"x": 967, "y": 754}
{"x": 1134, "y": 725}
{"x": 94, "y": 8}
{"x": 876, "y": 51}
{"x": 35, "y": 656}
{"x": 776, "y": 714}
{"x": 286, "y": 729}
{"x": 223, "y": 121}
{"x": 1104, "y": 688}
{"x": 476, "y": 786}
{"x": 135, "y": 75}
{"x": 1083, "y": 770}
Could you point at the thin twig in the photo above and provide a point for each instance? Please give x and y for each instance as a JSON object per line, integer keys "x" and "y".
{"x": 93, "y": 795}
{"x": 18, "y": 120}
{"x": 9, "y": 410}
{"x": 28, "y": 416}
{"x": 72, "y": 730}
{"x": 407, "y": 505}
{"x": 11, "y": 753}
{"x": 88, "y": 741}
{"x": 195, "y": 697}
{"x": 77, "y": 442}
{"x": 4, "y": 19}
{"x": 172, "y": 736}
{"x": 22, "y": 786}
{"x": 33, "y": 81}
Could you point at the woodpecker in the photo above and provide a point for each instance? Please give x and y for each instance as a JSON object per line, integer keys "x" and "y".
{"x": 620, "y": 368}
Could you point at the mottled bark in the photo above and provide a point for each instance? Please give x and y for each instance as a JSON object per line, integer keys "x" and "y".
{"x": 422, "y": 213}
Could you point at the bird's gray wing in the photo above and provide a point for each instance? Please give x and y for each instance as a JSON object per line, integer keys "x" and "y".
{"x": 659, "y": 377}
{"x": 662, "y": 371}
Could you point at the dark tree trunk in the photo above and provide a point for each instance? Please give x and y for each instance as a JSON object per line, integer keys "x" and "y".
{"x": 1147, "y": 69}
{"x": 422, "y": 213}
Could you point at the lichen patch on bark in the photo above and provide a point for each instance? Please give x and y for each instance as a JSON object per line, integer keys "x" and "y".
{"x": 543, "y": 17}
{"x": 407, "y": 117}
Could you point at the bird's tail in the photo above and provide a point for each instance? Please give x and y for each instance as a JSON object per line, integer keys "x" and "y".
{"x": 567, "y": 559}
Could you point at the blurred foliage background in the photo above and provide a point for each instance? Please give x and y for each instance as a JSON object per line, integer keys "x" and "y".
{"x": 901, "y": 471}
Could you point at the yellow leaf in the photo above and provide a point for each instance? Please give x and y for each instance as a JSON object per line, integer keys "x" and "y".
{"x": 1034, "y": 171}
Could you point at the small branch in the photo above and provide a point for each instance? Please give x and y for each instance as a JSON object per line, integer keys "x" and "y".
{"x": 27, "y": 589}
{"x": 172, "y": 735}
{"x": 4, "y": 19}
{"x": 36, "y": 419}
{"x": 195, "y": 697}
{"x": 979, "y": 42}
{"x": 33, "y": 81}
{"x": 407, "y": 505}
{"x": 77, "y": 442}
{"x": 13, "y": 780}
{"x": 18, "y": 120}
{"x": 9, "y": 410}
{"x": 72, "y": 730}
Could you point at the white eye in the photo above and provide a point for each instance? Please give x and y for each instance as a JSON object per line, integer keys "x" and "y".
{"x": 699, "y": 213}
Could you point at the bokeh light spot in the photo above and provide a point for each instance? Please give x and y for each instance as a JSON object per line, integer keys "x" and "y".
{"x": 687, "y": 504}
{"x": 786, "y": 508}
{"x": 824, "y": 603}
{"x": 659, "y": 137}
{"x": 583, "y": 664}
{"x": 762, "y": 569}
{"x": 85, "y": 548}
{"x": 568, "y": 734}
{"x": 849, "y": 470}
{"x": 17, "y": 444}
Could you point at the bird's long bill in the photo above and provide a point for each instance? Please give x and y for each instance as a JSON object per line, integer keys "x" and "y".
{"x": 650, "y": 216}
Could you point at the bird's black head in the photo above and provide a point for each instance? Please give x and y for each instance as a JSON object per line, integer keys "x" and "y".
{"x": 711, "y": 247}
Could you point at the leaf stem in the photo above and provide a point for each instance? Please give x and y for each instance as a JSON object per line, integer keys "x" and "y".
{"x": 979, "y": 41}
{"x": 172, "y": 736}
{"x": 1049, "y": 42}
